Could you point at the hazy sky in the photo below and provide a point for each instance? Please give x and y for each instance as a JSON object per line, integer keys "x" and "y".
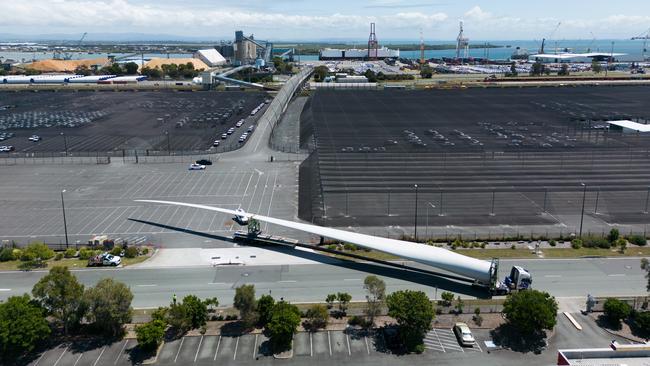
{"x": 331, "y": 19}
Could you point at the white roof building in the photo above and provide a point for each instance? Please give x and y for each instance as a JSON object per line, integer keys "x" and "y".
{"x": 210, "y": 57}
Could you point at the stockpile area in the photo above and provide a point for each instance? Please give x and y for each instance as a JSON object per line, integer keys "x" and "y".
{"x": 478, "y": 156}
{"x": 109, "y": 121}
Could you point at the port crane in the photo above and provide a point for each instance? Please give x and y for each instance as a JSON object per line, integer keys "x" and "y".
{"x": 645, "y": 37}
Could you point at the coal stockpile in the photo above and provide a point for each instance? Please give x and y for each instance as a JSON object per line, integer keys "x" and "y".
{"x": 107, "y": 121}
{"x": 507, "y": 156}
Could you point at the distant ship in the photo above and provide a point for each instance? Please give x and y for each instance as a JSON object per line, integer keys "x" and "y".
{"x": 520, "y": 54}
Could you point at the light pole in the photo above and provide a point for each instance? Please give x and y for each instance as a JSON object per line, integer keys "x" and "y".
{"x": 65, "y": 143}
{"x": 416, "y": 213}
{"x": 427, "y": 228}
{"x": 65, "y": 223}
{"x": 582, "y": 214}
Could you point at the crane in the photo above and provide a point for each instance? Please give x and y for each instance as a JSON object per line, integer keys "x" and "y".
{"x": 645, "y": 37}
{"x": 550, "y": 36}
{"x": 68, "y": 55}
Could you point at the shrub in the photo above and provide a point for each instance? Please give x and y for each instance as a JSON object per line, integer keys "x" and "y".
{"x": 358, "y": 320}
{"x": 145, "y": 251}
{"x": 350, "y": 247}
{"x": 332, "y": 247}
{"x": 330, "y": 300}
{"x": 637, "y": 240}
{"x": 131, "y": 252}
{"x": 58, "y": 256}
{"x": 317, "y": 316}
{"x": 160, "y": 314}
{"x": 17, "y": 253}
{"x": 117, "y": 250}
{"x": 613, "y": 235}
{"x": 552, "y": 243}
{"x": 513, "y": 247}
{"x": 70, "y": 253}
{"x": 150, "y": 334}
{"x": 576, "y": 243}
{"x": 39, "y": 250}
{"x": 596, "y": 242}
{"x": 642, "y": 322}
{"x": 419, "y": 348}
{"x": 447, "y": 298}
{"x": 85, "y": 253}
{"x": 616, "y": 310}
{"x": 26, "y": 256}
{"x": 6, "y": 254}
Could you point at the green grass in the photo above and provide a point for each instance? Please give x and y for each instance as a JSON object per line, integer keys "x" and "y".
{"x": 72, "y": 262}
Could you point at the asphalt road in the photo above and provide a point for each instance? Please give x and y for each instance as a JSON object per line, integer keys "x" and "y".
{"x": 153, "y": 287}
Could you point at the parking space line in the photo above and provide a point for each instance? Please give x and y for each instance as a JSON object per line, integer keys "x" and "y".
{"x": 311, "y": 345}
{"x": 179, "y": 349}
{"x": 120, "y": 354}
{"x": 347, "y": 339}
{"x": 78, "y": 358}
{"x": 367, "y": 347}
{"x": 255, "y": 346}
{"x": 436, "y": 334}
{"x": 234, "y": 356}
{"x": 100, "y": 356}
{"x": 479, "y": 346}
{"x": 198, "y": 349}
{"x": 62, "y": 353}
{"x": 217, "y": 350}
{"x": 329, "y": 341}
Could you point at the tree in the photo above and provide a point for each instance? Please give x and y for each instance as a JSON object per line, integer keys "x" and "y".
{"x": 564, "y": 70}
{"x": 613, "y": 235}
{"x": 530, "y": 311}
{"x": 459, "y": 305}
{"x": 414, "y": 313}
{"x": 376, "y": 289}
{"x": 22, "y": 326}
{"x": 330, "y": 300}
{"x": 245, "y": 302}
{"x": 38, "y": 250}
{"x": 537, "y": 69}
{"x": 178, "y": 318}
{"x": 82, "y": 70}
{"x": 596, "y": 67}
{"x": 645, "y": 265}
{"x": 320, "y": 73}
{"x": 150, "y": 334}
{"x": 109, "y": 306}
{"x": 513, "y": 70}
{"x": 621, "y": 244}
{"x": 344, "y": 299}
{"x": 426, "y": 72}
{"x": 285, "y": 318}
{"x": 264, "y": 308}
{"x": 447, "y": 298}
{"x": 152, "y": 73}
{"x": 61, "y": 295}
{"x": 317, "y": 316}
{"x": 131, "y": 68}
{"x": 370, "y": 75}
{"x": 197, "y": 310}
{"x": 616, "y": 310}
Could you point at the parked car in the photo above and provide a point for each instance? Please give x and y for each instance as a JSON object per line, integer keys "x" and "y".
{"x": 215, "y": 143}
{"x": 105, "y": 259}
{"x": 195, "y": 166}
{"x": 34, "y": 138}
{"x": 204, "y": 162}
{"x": 224, "y": 136}
{"x": 250, "y": 128}
{"x": 464, "y": 335}
{"x": 8, "y": 148}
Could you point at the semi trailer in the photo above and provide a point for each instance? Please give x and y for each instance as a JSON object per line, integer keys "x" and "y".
{"x": 480, "y": 272}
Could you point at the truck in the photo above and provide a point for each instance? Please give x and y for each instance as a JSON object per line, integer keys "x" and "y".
{"x": 104, "y": 259}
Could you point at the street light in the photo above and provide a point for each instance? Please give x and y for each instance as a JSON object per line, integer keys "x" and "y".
{"x": 416, "y": 212}
{"x": 65, "y": 143}
{"x": 65, "y": 224}
{"x": 582, "y": 214}
{"x": 427, "y": 229}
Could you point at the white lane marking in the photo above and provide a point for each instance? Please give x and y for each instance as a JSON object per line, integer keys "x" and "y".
{"x": 217, "y": 283}
{"x": 217, "y": 350}
{"x": 59, "y": 359}
{"x": 5, "y": 289}
{"x": 198, "y": 349}
{"x": 616, "y": 275}
{"x": 351, "y": 279}
{"x": 347, "y": 338}
{"x": 311, "y": 345}
{"x": 287, "y": 281}
{"x": 367, "y": 347}
{"x": 100, "y": 356}
{"x": 552, "y": 276}
{"x": 329, "y": 341}
{"x": 234, "y": 356}
{"x": 151, "y": 285}
{"x": 78, "y": 358}
{"x": 255, "y": 346}
{"x": 436, "y": 334}
{"x": 179, "y": 349}
{"x": 39, "y": 359}
{"x": 120, "y": 354}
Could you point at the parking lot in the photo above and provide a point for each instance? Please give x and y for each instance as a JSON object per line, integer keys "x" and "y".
{"x": 320, "y": 347}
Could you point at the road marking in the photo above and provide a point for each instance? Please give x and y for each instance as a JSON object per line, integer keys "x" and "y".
{"x": 352, "y": 279}
{"x": 217, "y": 350}
{"x": 151, "y": 285}
{"x": 616, "y": 275}
{"x": 552, "y": 276}
{"x": 5, "y": 289}
{"x": 443, "y": 347}
{"x": 59, "y": 359}
{"x": 100, "y": 356}
{"x": 573, "y": 321}
{"x": 287, "y": 281}
{"x": 234, "y": 356}
{"x": 179, "y": 349}
{"x": 120, "y": 354}
{"x": 255, "y": 346}
{"x": 367, "y": 347}
{"x": 217, "y": 283}
{"x": 78, "y": 358}
{"x": 329, "y": 341}
{"x": 198, "y": 349}
{"x": 39, "y": 359}
{"x": 347, "y": 338}
{"x": 311, "y": 345}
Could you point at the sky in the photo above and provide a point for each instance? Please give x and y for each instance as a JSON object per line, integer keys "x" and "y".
{"x": 332, "y": 20}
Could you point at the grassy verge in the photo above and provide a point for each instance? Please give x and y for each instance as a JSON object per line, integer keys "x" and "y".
{"x": 72, "y": 262}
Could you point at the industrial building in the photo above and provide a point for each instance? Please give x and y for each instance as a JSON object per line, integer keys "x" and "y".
{"x": 373, "y": 52}
{"x": 211, "y": 57}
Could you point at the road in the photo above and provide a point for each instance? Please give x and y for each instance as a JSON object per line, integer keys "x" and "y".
{"x": 152, "y": 287}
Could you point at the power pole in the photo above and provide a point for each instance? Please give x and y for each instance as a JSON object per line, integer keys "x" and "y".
{"x": 373, "y": 44}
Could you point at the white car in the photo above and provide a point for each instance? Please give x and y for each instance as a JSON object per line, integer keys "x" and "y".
{"x": 34, "y": 138}
{"x": 464, "y": 335}
{"x": 195, "y": 166}
{"x": 215, "y": 143}
{"x": 239, "y": 124}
